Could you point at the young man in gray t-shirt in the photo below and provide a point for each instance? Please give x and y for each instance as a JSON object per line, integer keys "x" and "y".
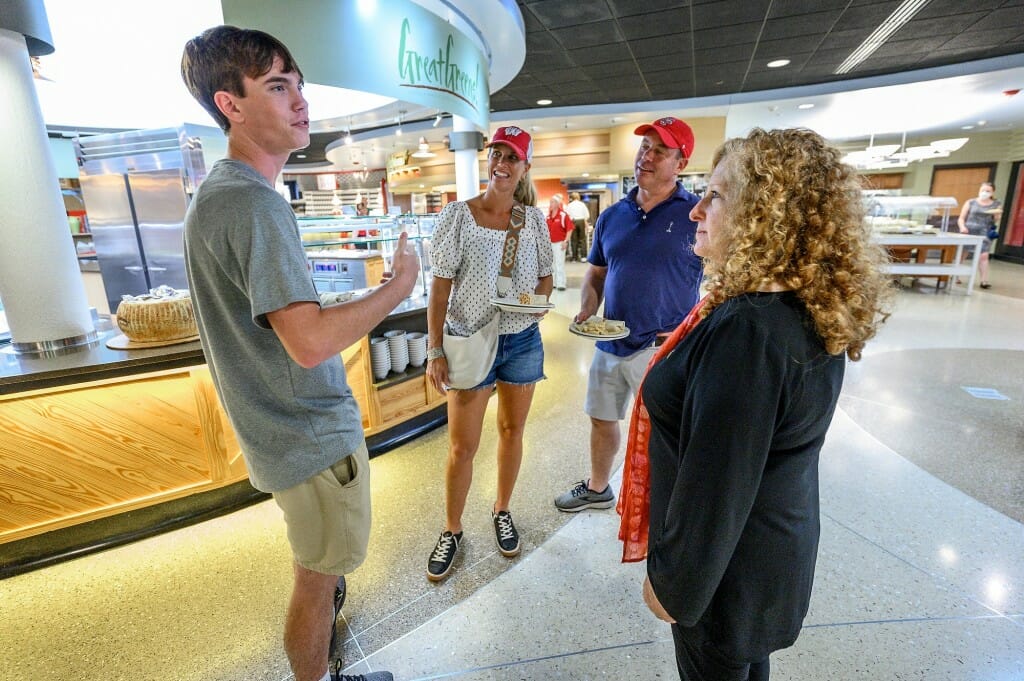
{"x": 273, "y": 351}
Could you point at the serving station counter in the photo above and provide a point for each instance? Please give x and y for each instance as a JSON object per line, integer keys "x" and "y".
{"x": 101, "y": 446}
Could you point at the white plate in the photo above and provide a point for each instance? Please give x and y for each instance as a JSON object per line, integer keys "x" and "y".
{"x": 598, "y": 336}
{"x": 510, "y": 305}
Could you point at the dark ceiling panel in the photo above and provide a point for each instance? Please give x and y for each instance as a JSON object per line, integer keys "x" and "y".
{"x": 602, "y": 54}
{"x": 664, "y": 62}
{"x": 728, "y": 13}
{"x": 800, "y": 10}
{"x": 655, "y": 24}
{"x": 722, "y": 55}
{"x": 736, "y": 34}
{"x": 664, "y": 45}
{"x": 599, "y": 72}
{"x": 626, "y": 8}
{"x": 558, "y": 13}
{"x": 588, "y": 35}
{"x": 957, "y": 8}
{"x": 867, "y": 17}
{"x": 816, "y": 24}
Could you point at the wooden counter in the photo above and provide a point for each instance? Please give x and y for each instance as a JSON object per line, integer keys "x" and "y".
{"x": 95, "y": 433}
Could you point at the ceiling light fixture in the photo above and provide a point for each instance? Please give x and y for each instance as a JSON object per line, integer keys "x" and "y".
{"x": 879, "y": 156}
{"x": 778, "y": 63}
{"x": 543, "y": 102}
{"x": 901, "y": 15}
{"x": 437, "y": 119}
{"x": 805, "y": 106}
{"x": 424, "y": 150}
{"x": 398, "y": 130}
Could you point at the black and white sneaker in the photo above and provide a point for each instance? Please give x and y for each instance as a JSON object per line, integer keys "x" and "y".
{"x": 372, "y": 676}
{"x": 334, "y": 653}
{"x": 505, "y": 533}
{"x": 443, "y": 555}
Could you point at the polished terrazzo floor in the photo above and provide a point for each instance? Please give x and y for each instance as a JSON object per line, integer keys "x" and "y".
{"x": 920, "y": 575}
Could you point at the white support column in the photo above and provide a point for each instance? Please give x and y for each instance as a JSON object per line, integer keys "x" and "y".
{"x": 40, "y": 282}
{"x": 467, "y": 168}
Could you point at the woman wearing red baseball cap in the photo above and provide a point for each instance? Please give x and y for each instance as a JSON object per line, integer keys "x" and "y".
{"x": 470, "y": 242}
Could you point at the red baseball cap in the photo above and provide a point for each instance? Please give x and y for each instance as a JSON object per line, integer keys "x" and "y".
{"x": 673, "y": 132}
{"x": 516, "y": 138}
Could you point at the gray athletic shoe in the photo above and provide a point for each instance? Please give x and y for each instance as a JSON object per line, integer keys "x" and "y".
{"x": 581, "y": 497}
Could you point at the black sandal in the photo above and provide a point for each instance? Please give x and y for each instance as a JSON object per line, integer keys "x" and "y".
{"x": 985, "y": 284}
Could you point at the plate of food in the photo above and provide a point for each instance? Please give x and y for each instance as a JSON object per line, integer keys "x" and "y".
{"x": 524, "y": 302}
{"x": 600, "y": 328}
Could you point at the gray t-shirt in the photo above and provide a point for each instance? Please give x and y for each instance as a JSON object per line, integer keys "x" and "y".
{"x": 244, "y": 258}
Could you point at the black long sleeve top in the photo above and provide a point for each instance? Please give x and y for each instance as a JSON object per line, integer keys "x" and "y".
{"x": 739, "y": 412}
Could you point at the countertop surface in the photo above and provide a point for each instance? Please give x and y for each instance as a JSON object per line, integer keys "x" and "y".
{"x": 95, "y": 361}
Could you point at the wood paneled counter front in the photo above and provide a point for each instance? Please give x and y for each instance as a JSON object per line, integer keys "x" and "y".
{"x": 96, "y": 433}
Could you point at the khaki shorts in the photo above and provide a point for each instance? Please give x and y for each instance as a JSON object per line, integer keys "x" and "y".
{"x": 328, "y": 516}
{"x": 613, "y": 381}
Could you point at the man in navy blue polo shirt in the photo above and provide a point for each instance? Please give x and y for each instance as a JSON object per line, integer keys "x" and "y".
{"x": 643, "y": 267}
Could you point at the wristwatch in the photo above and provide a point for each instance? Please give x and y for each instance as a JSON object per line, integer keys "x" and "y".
{"x": 435, "y": 353}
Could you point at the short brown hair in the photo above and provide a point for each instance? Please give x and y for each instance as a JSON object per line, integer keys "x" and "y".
{"x": 220, "y": 58}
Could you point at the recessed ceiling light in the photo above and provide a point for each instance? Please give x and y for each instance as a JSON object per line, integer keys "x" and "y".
{"x": 586, "y": 174}
{"x": 967, "y": 127}
{"x": 805, "y": 106}
{"x": 543, "y": 102}
{"x": 778, "y": 63}
{"x": 982, "y": 122}
{"x": 300, "y": 156}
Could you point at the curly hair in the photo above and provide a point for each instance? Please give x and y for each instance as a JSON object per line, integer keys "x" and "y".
{"x": 795, "y": 219}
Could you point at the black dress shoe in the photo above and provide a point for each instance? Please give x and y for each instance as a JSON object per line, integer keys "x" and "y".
{"x": 985, "y": 284}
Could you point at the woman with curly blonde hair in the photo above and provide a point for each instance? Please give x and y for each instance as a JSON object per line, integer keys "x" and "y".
{"x": 740, "y": 403}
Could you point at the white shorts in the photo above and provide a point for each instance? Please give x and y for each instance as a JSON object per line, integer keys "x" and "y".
{"x": 613, "y": 382}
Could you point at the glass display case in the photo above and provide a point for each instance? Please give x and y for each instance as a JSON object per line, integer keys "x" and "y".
{"x": 908, "y": 214}
{"x": 350, "y": 252}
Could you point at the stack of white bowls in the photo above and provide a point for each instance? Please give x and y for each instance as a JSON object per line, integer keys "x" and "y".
{"x": 399, "y": 350}
{"x": 380, "y": 357}
{"x": 417, "y": 343}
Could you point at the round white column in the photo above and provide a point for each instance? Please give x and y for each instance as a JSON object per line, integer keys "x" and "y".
{"x": 40, "y": 282}
{"x": 467, "y": 169}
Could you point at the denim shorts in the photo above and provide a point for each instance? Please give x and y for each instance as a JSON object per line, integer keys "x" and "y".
{"x": 520, "y": 359}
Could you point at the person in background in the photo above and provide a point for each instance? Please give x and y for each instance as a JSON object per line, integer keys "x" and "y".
{"x": 739, "y": 408}
{"x": 362, "y": 208}
{"x": 643, "y": 267}
{"x": 580, "y": 215}
{"x": 272, "y": 350}
{"x": 468, "y": 244}
{"x": 560, "y": 226}
{"x": 978, "y": 216}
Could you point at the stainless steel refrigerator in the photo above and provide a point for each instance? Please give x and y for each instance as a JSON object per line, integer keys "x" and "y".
{"x": 136, "y": 187}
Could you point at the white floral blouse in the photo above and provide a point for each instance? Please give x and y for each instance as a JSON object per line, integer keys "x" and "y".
{"x": 470, "y": 255}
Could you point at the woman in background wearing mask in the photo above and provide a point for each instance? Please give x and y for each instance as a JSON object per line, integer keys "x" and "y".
{"x": 977, "y": 217}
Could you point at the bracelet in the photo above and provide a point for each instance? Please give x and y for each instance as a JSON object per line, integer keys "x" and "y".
{"x": 435, "y": 353}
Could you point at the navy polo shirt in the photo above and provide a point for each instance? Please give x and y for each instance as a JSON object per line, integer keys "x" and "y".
{"x": 653, "y": 277}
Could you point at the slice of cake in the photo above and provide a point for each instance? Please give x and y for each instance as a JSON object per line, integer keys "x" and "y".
{"x": 532, "y": 299}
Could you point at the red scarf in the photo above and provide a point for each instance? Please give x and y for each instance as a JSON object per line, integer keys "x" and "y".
{"x": 635, "y": 496}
